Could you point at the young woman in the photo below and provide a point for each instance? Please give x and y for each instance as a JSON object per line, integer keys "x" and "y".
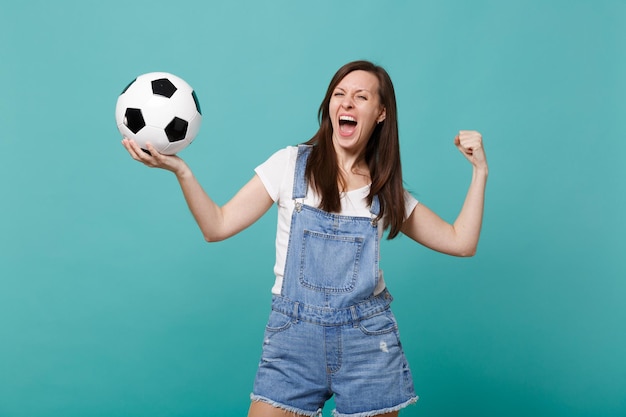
{"x": 331, "y": 330}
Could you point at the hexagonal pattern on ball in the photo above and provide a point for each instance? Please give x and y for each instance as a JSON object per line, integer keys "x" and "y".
{"x": 176, "y": 129}
{"x": 133, "y": 119}
{"x": 169, "y": 108}
{"x": 163, "y": 87}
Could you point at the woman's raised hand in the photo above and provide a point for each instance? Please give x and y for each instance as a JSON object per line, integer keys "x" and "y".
{"x": 153, "y": 159}
{"x": 470, "y": 143}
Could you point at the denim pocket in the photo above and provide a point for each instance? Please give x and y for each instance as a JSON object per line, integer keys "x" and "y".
{"x": 379, "y": 324}
{"x": 277, "y": 322}
{"x": 330, "y": 263}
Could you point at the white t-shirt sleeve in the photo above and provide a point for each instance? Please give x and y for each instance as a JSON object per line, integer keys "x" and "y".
{"x": 409, "y": 203}
{"x": 272, "y": 172}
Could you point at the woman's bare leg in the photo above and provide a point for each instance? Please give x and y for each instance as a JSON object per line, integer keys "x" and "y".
{"x": 262, "y": 409}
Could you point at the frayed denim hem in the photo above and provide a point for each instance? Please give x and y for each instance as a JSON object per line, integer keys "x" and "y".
{"x": 317, "y": 413}
{"x": 378, "y": 412}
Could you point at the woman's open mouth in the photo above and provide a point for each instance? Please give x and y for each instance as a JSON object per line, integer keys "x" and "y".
{"x": 347, "y": 125}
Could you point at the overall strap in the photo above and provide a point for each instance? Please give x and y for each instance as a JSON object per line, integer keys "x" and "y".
{"x": 299, "y": 180}
{"x": 375, "y": 208}
{"x": 300, "y": 184}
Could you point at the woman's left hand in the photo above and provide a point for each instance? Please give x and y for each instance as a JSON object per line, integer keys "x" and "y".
{"x": 470, "y": 143}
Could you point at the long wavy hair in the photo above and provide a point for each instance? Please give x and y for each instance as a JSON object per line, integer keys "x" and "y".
{"x": 381, "y": 154}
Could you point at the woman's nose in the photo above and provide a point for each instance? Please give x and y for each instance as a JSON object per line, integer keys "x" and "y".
{"x": 347, "y": 102}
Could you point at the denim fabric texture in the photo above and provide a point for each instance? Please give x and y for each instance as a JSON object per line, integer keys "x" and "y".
{"x": 327, "y": 333}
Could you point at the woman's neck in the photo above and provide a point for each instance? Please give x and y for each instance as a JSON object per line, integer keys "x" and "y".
{"x": 353, "y": 176}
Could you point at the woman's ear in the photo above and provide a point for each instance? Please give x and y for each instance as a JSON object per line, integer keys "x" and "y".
{"x": 382, "y": 115}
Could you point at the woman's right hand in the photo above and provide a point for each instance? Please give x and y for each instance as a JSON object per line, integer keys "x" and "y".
{"x": 154, "y": 159}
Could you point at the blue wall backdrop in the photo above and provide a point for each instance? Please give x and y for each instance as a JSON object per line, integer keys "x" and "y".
{"x": 111, "y": 303}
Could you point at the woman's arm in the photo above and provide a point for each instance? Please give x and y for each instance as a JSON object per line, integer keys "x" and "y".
{"x": 216, "y": 223}
{"x": 461, "y": 237}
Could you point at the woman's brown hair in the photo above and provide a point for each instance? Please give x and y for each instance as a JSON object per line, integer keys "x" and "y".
{"x": 382, "y": 154}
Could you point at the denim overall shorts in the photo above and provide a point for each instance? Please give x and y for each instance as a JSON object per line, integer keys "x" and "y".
{"x": 327, "y": 333}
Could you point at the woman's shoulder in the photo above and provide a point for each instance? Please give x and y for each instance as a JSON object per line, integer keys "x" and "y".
{"x": 277, "y": 169}
{"x": 286, "y": 153}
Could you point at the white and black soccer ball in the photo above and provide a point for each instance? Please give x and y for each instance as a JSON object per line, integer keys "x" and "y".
{"x": 159, "y": 108}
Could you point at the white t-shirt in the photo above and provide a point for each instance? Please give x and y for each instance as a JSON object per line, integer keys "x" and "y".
{"x": 277, "y": 176}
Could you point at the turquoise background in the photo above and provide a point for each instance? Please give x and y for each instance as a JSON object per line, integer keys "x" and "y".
{"x": 111, "y": 303}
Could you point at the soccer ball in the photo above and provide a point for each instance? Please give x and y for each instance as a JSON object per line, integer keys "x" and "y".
{"x": 159, "y": 108}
